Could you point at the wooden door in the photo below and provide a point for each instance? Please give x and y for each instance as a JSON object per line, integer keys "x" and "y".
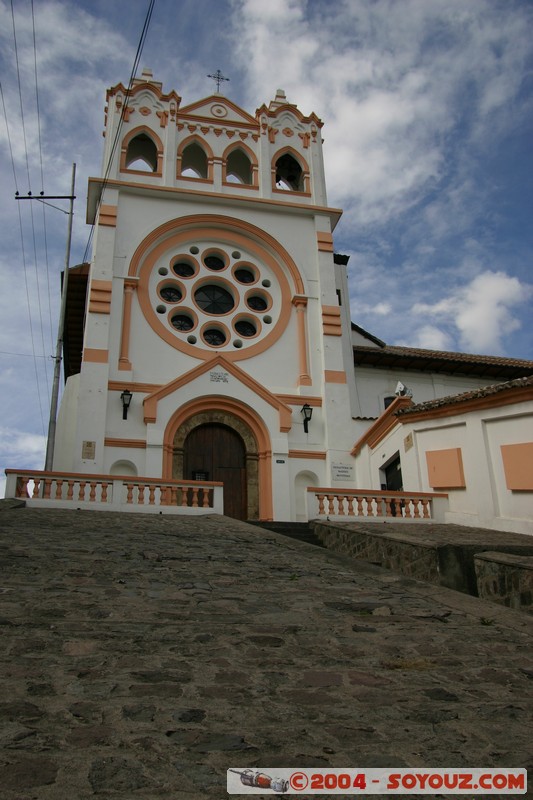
{"x": 216, "y": 453}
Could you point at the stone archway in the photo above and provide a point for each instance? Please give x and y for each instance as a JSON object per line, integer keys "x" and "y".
{"x": 210, "y": 420}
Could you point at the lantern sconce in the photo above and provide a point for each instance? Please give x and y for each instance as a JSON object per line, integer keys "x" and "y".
{"x": 126, "y": 402}
{"x": 307, "y": 412}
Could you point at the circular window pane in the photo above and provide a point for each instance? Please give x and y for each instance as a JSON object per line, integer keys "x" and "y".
{"x": 183, "y": 269}
{"x": 214, "y": 262}
{"x": 214, "y": 337}
{"x": 245, "y": 328}
{"x": 244, "y": 275}
{"x": 257, "y": 302}
{"x": 182, "y": 322}
{"x": 171, "y": 294}
{"x": 214, "y": 299}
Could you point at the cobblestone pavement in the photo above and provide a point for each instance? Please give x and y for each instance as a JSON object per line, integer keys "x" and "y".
{"x": 142, "y": 656}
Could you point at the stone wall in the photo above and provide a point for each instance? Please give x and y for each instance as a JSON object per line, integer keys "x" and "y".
{"x": 506, "y": 579}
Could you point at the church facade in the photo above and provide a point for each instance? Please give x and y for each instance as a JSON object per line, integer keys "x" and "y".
{"x": 210, "y": 337}
{"x": 216, "y": 300}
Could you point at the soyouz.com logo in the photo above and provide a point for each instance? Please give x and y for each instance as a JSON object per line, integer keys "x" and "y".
{"x": 246, "y": 780}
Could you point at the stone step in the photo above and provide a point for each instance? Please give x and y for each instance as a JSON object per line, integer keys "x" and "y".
{"x": 294, "y": 530}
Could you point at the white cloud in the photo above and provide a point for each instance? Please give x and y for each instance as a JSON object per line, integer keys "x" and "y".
{"x": 482, "y": 310}
{"x": 393, "y": 82}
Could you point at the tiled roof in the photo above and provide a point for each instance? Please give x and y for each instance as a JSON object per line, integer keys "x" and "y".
{"x": 390, "y": 356}
{"x": 450, "y": 400}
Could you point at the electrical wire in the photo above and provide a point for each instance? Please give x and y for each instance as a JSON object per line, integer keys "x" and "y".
{"x": 45, "y": 238}
{"x": 20, "y": 95}
{"x": 21, "y": 227}
{"x": 137, "y": 58}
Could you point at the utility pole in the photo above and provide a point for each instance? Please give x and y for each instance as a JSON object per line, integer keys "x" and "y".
{"x": 49, "y": 460}
{"x": 61, "y": 326}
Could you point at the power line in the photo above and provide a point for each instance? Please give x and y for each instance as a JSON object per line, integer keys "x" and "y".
{"x": 20, "y": 94}
{"x": 136, "y": 60}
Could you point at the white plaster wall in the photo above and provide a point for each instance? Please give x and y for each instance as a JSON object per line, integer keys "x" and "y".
{"x": 374, "y": 384}
{"x": 66, "y": 426}
{"x": 486, "y": 501}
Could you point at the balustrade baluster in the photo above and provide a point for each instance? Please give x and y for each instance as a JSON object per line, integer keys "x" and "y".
{"x": 151, "y": 495}
{"x": 331, "y": 504}
{"x": 194, "y": 503}
{"x": 350, "y": 500}
{"x": 22, "y": 487}
{"x": 321, "y": 498}
{"x": 47, "y": 488}
{"x": 388, "y": 509}
{"x": 92, "y": 493}
{"x": 36, "y": 485}
{"x": 103, "y": 496}
{"x": 81, "y": 494}
{"x": 70, "y": 490}
{"x": 416, "y": 510}
{"x": 426, "y": 514}
{"x": 184, "y": 496}
{"x": 129, "y": 496}
{"x": 59, "y": 488}
{"x": 140, "y": 494}
{"x": 205, "y": 501}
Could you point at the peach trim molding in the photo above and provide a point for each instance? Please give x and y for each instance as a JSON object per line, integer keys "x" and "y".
{"x": 515, "y": 395}
{"x": 96, "y": 356}
{"x": 335, "y": 376}
{"x": 299, "y": 400}
{"x": 144, "y": 388}
{"x": 307, "y": 454}
{"x": 381, "y": 426}
{"x": 107, "y": 215}
{"x": 100, "y": 297}
{"x": 250, "y": 418}
{"x": 284, "y": 411}
{"x": 331, "y": 321}
{"x": 334, "y": 213}
{"x": 109, "y": 441}
{"x": 325, "y": 242}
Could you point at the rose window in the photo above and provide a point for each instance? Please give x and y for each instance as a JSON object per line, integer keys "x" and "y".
{"x": 201, "y": 294}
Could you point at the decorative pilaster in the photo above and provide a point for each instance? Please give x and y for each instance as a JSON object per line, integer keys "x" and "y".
{"x": 124, "y": 363}
{"x": 300, "y": 304}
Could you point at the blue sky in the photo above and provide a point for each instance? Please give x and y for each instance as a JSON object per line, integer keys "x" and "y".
{"x": 428, "y": 120}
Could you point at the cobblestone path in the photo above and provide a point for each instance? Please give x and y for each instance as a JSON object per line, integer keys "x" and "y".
{"x": 142, "y": 656}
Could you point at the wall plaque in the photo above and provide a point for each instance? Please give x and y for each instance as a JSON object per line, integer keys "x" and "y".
{"x": 88, "y": 450}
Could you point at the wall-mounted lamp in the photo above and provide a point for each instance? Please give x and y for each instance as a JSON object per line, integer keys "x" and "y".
{"x": 126, "y": 402}
{"x": 307, "y": 412}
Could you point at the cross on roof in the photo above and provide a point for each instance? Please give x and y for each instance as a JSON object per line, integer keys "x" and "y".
{"x": 218, "y": 77}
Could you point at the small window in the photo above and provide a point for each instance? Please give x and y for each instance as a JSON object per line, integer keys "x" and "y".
{"x": 289, "y": 175}
{"x": 238, "y": 168}
{"x": 194, "y": 162}
{"x": 142, "y": 154}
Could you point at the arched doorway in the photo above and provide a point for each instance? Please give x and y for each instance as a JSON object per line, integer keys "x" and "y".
{"x": 216, "y": 452}
{"x": 247, "y": 429}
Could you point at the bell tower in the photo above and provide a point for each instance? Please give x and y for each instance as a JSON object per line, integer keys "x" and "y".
{"x": 215, "y": 299}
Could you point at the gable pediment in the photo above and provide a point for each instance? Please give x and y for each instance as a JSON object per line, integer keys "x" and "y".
{"x": 222, "y": 366}
{"x": 217, "y": 108}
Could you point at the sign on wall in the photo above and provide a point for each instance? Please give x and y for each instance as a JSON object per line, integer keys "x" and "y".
{"x": 342, "y": 472}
